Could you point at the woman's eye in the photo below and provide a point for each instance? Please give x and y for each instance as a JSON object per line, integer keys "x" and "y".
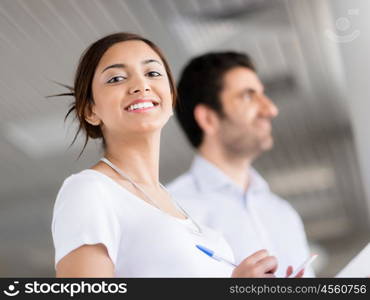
{"x": 116, "y": 79}
{"x": 154, "y": 74}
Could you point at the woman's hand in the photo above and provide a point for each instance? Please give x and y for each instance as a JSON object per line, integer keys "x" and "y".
{"x": 258, "y": 265}
{"x": 289, "y": 271}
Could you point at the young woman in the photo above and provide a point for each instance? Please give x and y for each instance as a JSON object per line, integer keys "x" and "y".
{"x": 115, "y": 218}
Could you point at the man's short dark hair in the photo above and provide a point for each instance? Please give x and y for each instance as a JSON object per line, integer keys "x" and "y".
{"x": 201, "y": 82}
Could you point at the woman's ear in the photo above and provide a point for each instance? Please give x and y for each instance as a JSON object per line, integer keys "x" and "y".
{"x": 207, "y": 119}
{"x": 90, "y": 116}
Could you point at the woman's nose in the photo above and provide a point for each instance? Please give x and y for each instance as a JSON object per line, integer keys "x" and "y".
{"x": 139, "y": 85}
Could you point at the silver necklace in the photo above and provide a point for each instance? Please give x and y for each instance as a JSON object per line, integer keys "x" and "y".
{"x": 125, "y": 176}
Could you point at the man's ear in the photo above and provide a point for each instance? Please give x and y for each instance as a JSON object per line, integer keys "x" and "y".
{"x": 90, "y": 116}
{"x": 207, "y": 119}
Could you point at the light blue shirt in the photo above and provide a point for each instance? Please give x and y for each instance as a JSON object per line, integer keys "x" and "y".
{"x": 250, "y": 221}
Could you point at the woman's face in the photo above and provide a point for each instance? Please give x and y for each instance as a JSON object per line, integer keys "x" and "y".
{"x": 131, "y": 91}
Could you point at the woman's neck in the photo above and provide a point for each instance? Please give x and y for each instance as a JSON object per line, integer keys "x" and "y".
{"x": 137, "y": 157}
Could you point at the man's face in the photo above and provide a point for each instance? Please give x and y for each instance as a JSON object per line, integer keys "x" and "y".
{"x": 245, "y": 128}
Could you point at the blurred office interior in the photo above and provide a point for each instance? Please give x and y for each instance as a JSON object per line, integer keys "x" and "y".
{"x": 312, "y": 56}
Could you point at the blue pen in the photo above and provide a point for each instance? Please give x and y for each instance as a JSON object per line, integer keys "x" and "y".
{"x": 212, "y": 254}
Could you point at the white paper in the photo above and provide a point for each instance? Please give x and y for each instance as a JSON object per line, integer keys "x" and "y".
{"x": 358, "y": 266}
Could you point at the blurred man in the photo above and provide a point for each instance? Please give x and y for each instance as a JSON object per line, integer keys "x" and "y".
{"x": 226, "y": 116}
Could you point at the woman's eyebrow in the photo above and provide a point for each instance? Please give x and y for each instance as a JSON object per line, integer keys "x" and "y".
{"x": 148, "y": 61}
{"x": 119, "y": 66}
{"x": 122, "y": 66}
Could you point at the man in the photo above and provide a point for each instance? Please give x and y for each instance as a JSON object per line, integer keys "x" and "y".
{"x": 226, "y": 116}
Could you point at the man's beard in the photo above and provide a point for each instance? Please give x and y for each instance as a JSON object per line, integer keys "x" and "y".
{"x": 242, "y": 143}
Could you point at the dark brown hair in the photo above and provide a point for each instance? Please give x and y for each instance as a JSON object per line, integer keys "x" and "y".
{"x": 201, "y": 81}
{"x": 82, "y": 88}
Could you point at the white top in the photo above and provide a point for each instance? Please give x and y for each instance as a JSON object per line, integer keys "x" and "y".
{"x": 250, "y": 221}
{"x": 142, "y": 241}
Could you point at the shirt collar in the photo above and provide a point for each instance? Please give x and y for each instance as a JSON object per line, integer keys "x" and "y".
{"x": 210, "y": 178}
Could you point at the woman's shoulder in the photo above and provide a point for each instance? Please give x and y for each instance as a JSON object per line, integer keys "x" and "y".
{"x": 85, "y": 179}
{"x": 82, "y": 186}
{"x": 91, "y": 187}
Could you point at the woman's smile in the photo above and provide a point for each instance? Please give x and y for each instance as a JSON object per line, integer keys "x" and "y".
{"x": 142, "y": 105}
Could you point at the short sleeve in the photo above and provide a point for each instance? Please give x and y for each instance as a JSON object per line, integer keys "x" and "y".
{"x": 82, "y": 215}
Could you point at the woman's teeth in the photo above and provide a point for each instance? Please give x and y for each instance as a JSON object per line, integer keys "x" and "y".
{"x": 140, "y": 105}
